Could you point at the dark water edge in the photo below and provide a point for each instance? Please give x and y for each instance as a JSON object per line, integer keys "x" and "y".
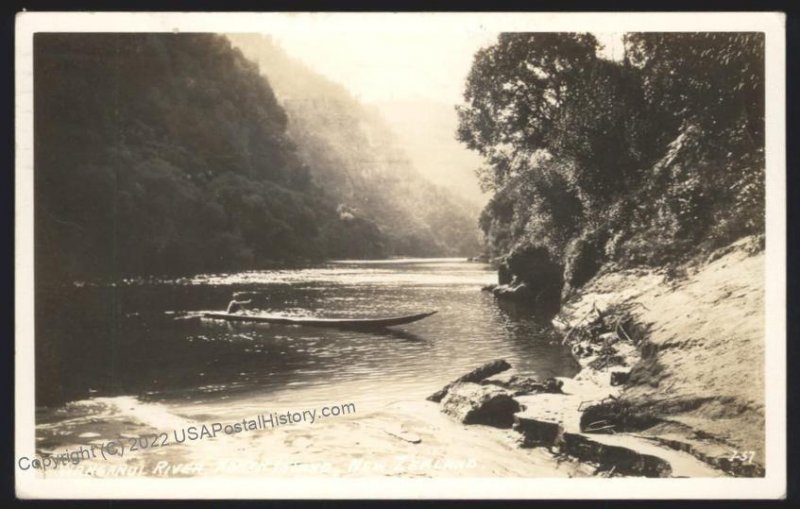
{"x": 142, "y": 338}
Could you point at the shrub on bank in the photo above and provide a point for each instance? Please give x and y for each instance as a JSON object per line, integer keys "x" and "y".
{"x": 649, "y": 160}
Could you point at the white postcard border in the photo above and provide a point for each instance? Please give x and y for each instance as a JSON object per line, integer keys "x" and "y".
{"x": 29, "y": 485}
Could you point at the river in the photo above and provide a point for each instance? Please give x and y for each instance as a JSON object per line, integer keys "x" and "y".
{"x": 110, "y": 358}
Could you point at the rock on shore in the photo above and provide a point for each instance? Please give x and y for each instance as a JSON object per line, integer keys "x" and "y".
{"x": 476, "y": 375}
{"x": 471, "y": 403}
{"x": 548, "y": 414}
{"x": 530, "y": 275}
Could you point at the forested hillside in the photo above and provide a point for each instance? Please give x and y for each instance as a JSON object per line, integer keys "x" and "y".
{"x": 170, "y": 154}
{"x": 648, "y": 160}
{"x": 359, "y": 161}
{"x": 425, "y": 129}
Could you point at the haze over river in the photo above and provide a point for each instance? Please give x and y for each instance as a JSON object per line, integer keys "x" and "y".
{"x": 138, "y": 353}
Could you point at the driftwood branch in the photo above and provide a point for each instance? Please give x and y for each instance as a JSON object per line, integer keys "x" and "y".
{"x": 619, "y": 325}
{"x": 569, "y": 333}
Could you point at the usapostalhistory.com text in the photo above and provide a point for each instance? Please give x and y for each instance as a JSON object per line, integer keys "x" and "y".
{"x": 187, "y": 434}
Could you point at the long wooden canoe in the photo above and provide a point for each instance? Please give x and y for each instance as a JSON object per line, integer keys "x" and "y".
{"x": 342, "y": 323}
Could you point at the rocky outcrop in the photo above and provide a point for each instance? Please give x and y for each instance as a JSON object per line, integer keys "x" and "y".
{"x": 538, "y": 433}
{"x": 520, "y": 384}
{"x": 531, "y": 275}
{"x": 608, "y": 458}
{"x": 620, "y": 460}
{"x": 619, "y": 377}
{"x": 579, "y": 421}
{"x": 620, "y": 415}
{"x": 519, "y": 292}
{"x": 474, "y": 376}
{"x": 471, "y": 403}
{"x": 710, "y": 454}
{"x": 583, "y": 258}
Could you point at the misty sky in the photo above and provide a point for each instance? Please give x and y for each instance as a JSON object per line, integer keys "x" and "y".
{"x": 415, "y": 78}
{"x": 401, "y": 66}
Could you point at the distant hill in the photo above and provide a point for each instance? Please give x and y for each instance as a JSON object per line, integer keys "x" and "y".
{"x": 359, "y": 160}
{"x": 171, "y": 154}
{"x": 427, "y": 130}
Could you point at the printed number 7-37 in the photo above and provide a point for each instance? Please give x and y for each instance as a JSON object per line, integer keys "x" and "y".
{"x": 743, "y": 456}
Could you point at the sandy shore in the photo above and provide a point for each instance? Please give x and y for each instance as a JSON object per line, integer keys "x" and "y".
{"x": 698, "y": 379}
{"x": 406, "y": 439}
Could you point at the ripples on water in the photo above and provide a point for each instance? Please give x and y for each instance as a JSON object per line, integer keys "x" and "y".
{"x": 144, "y": 339}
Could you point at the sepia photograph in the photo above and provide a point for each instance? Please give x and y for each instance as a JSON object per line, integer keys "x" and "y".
{"x": 437, "y": 255}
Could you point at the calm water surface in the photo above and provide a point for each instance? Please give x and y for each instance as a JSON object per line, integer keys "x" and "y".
{"x": 144, "y": 342}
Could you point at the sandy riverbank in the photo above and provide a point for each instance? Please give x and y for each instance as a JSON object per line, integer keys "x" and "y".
{"x": 409, "y": 439}
{"x": 696, "y": 381}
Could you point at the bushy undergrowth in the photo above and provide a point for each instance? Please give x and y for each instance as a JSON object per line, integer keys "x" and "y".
{"x": 649, "y": 160}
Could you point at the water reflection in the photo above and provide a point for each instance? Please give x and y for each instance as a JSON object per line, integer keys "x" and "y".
{"x": 145, "y": 338}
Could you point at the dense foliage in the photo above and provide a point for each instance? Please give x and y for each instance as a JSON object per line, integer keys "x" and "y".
{"x": 169, "y": 153}
{"x": 646, "y": 160}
